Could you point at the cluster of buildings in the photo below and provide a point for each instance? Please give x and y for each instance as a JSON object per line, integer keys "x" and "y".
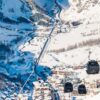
{"x": 60, "y": 77}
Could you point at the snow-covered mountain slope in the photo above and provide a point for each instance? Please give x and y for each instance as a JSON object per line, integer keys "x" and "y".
{"x": 14, "y": 19}
{"x": 16, "y": 28}
{"x": 15, "y": 9}
{"x": 24, "y": 31}
{"x": 71, "y": 48}
{"x": 51, "y": 7}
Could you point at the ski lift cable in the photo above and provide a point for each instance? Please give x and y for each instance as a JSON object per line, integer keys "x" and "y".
{"x": 39, "y": 58}
{"x": 46, "y": 43}
{"x": 41, "y": 54}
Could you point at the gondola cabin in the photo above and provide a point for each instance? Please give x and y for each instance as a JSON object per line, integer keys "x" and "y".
{"x": 92, "y": 67}
{"x": 68, "y": 87}
{"x": 82, "y": 89}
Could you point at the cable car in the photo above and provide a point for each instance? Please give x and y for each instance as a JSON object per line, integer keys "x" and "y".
{"x": 55, "y": 95}
{"x": 68, "y": 87}
{"x": 92, "y": 67}
{"x": 82, "y": 89}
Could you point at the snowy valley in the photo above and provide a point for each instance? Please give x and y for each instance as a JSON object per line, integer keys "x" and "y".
{"x": 23, "y": 32}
